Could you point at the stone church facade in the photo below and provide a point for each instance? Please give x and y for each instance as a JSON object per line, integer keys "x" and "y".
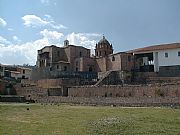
{"x": 73, "y": 58}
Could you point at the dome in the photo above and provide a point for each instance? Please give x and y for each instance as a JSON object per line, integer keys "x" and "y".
{"x": 103, "y": 48}
{"x": 104, "y": 41}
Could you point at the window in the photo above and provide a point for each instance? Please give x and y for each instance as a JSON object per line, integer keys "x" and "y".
{"x": 58, "y": 53}
{"x": 65, "y": 68}
{"x": 104, "y": 52}
{"x": 57, "y": 66}
{"x": 166, "y": 55}
{"x": 80, "y": 54}
{"x": 23, "y": 71}
{"x": 178, "y": 53}
{"x": 113, "y": 58}
{"x": 90, "y": 69}
{"x": 76, "y": 63}
{"x": 129, "y": 58}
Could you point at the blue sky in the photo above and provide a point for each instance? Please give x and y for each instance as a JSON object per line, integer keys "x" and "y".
{"x": 29, "y": 25}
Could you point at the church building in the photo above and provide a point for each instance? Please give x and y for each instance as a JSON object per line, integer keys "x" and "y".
{"x": 77, "y": 58}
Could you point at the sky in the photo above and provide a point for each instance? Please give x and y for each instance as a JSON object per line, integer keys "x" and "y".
{"x": 28, "y": 25}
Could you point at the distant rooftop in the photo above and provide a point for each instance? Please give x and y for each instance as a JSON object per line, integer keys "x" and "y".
{"x": 156, "y": 47}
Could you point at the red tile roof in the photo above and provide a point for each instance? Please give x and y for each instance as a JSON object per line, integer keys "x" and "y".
{"x": 156, "y": 47}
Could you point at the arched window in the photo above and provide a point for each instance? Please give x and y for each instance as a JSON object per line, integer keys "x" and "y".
{"x": 113, "y": 58}
{"x": 80, "y": 54}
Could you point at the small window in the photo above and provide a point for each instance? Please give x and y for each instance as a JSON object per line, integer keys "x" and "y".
{"x": 76, "y": 63}
{"x": 90, "y": 69}
{"x": 178, "y": 53}
{"x": 57, "y": 66}
{"x": 96, "y": 53}
{"x": 104, "y": 52}
{"x": 65, "y": 68}
{"x": 58, "y": 53}
{"x": 23, "y": 71}
{"x": 129, "y": 58}
{"x": 113, "y": 58}
{"x": 100, "y": 53}
{"x": 80, "y": 54}
{"x": 76, "y": 69}
{"x": 166, "y": 55}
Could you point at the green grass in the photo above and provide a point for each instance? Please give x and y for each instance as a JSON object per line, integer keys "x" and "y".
{"x": 15, "y": 119}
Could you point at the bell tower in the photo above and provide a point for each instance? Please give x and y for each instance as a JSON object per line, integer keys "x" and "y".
{"x": 66, "y": 43}
{"x": 103, "y": 48}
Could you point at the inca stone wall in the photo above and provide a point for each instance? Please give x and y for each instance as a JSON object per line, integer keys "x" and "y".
{"x": 170, "y": 90}
{"x": 107, "y": 95}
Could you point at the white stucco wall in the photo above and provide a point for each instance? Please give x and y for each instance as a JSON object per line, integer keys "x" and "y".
{"x": 172, "y": 59}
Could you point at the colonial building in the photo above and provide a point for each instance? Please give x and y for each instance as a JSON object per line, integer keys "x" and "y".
{"x": 62, "y": 58}
{"x": 162, "y": 59}
{"x": 77, "y": 58}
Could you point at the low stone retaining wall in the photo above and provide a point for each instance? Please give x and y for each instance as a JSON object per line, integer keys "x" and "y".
{"x": 138, "y": 91}
{"x": 114, "y": 101}
{"x": 12, "y": 98}
{"x": 156, "y": 95}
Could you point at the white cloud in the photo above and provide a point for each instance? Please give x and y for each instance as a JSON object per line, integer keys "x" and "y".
{"x": 45, "y": 1}
{"x": 58, "y": 26}
{"x": 51, "y": 34}
{"x": 3, "y": 23}
{"x": 10, "y": 29}
{"x": 84, "y": 39}
{"x": 35, "y": 21}
{"x": 48, "y": 2}
{"x": 24, "y": 53}
{"x": 4, "y": 41}
{"x": 15, "y": 38}
{"x": 27, "y": 52}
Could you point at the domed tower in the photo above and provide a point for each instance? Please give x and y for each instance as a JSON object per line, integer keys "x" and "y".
{"x": 103, "y": 48}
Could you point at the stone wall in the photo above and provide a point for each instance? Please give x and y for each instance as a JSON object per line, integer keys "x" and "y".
{"x": 74, "y": 52}
{"x": 107, "y": 95}
{"x": 101, "y": 64}
{"x": 123, "y": 101}
{"x": 126, "y": 91}
{"x": 31, "y": 92}
{"x": 2, "y": 86}
{"x": 169, "y": 71}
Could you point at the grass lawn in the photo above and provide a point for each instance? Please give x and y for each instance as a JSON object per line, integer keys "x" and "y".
{"x": 15, "y": 119}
